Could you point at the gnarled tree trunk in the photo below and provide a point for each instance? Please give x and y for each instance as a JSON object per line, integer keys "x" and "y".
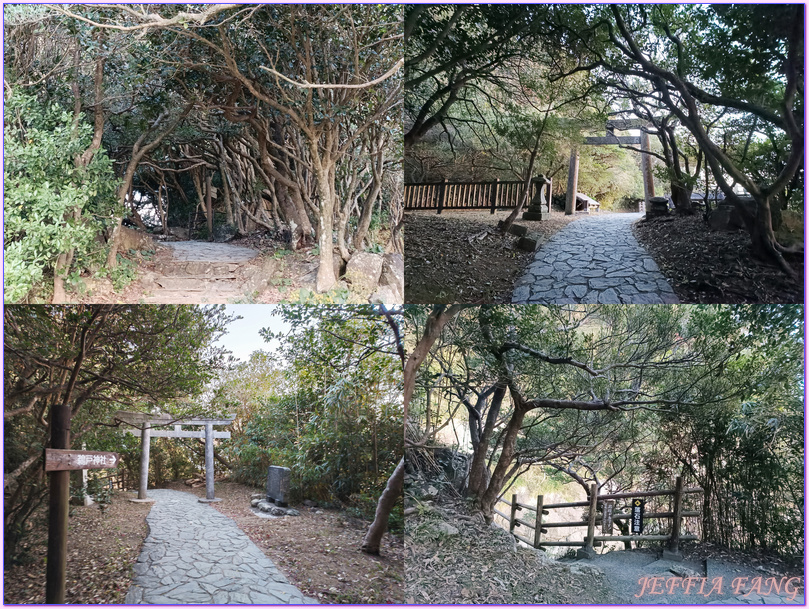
{"x": 389, "y": 497}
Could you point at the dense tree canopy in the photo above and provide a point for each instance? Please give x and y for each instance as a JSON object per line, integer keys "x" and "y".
{"x": 327, "y": 404}
{"x": 721, "y": 88}
{"x": 628, "y": 397}
{"x": 281, "y": 118}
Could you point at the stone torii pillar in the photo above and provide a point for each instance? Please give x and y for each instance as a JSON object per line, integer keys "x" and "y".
{"x": 146, "y": 422}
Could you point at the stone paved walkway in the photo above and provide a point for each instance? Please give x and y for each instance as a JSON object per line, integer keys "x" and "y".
{"x": 595, "y": 259}
{"x": 196, "y": 555}
{"x": 201, "y": 251}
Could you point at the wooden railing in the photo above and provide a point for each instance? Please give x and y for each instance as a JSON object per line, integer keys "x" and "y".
{"x": 592, "y": 540}
{"x": 469, "y": 195}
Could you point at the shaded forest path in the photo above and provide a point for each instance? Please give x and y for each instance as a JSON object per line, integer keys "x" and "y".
{"x": 594, "y": 260}
{"x": 192, "y": 272}
{"x": 197, "y": 555}
{"x": 639, "y": 577}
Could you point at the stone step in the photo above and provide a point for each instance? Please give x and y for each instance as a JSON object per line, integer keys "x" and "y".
{"x": 196, "y": 268}
{"x": 190, "y": 284}
{"x": 185, "y": 297}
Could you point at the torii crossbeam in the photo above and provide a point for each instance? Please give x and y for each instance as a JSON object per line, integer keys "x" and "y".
{"x": 144, "y": 423}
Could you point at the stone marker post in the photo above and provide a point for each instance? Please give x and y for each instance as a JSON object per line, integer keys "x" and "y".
{"x": 278, "y": 485}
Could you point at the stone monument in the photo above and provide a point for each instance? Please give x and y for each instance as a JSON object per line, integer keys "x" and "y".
{"x": 278, "y": 485}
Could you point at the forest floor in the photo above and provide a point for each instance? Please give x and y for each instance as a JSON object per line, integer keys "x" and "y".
{"x": 102, "y": 546}
{"x": 712, "y": 266}
{"x": 318, "y": 551}
{"x": 453, "y": 557}
{"x": 459, "y": 256}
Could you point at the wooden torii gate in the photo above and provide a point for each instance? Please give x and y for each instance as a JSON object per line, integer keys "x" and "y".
{"x": 611, "y": 139}
{"x": 145, "y": 422}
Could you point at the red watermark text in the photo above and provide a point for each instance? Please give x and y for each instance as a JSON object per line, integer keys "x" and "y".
{"x": 788, "y": 587}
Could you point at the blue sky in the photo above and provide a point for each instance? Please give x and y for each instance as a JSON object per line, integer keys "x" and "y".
{"x": 243, "y": 337}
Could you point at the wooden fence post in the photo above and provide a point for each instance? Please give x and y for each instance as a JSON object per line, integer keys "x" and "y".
{"x": 538, "y": 523}
{"x": 588, "y": 551}
{"x": 673, "y": 551}
{"x": 512, "y": 519}
{"x": 442, "y": 196}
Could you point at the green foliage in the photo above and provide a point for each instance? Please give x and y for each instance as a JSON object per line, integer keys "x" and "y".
{"x": 712, "y": 393}
{"x": 52, "y": 204}
{"x": 134, "y": 357}
{"x": 340, "y": 294}
{"x": 332, "y": 415}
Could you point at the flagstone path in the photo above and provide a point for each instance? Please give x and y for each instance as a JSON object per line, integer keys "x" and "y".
{"x": 595, "y": 259}
{"x": 197, "y": 555}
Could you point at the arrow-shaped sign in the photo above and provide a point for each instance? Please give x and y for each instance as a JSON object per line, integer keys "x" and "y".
{"x": 61, "y": 460}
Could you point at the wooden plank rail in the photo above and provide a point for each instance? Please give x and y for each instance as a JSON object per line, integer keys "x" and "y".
{"x": 524, "y": 540}
{"x": 592, "y": 540}
{"x": 563, "y": 543}
{"x": 640, "y": 537}
{"x": 582, "y": 523}
{"x": 655, "y": 515}
{"x": 551, "y": 506}
{"x": 496, "y": 511}
{"x": 470, "y": 195}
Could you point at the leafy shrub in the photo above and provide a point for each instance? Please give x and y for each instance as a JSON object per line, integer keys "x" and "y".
{"x": 52, "y": 204}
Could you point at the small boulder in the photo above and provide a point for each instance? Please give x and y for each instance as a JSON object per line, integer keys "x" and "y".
{"x": 293, "y": 512}
{"x": 131, "y": 239}
{"x": 180, "y": 233}
{"x": 277, "y": 511}
{"x": 265, "y": 506}
{"x": 684, "y": 572}
{"x": 446, "y": 529}
{"x": 363, "y": 271}
{"x": 431, "y": 491}
{"x": 386, "y": 295}
{"x": 254, "y": 502}
{"x": 392, "y": 270}
{"x": 224, "y": 232}
{"x": 585, "y": 569}
{"x": 309, "y": 503}
{"x": 529, "y": 243}
{"x": 391, "y": 281}
{"x": 514, "y": 229}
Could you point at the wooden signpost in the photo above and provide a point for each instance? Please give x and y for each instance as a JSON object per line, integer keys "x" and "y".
{"x": 606, "y": 517}
{"x": 59, "y": 463}
{"x": 637, "y": 516}
{"x": 61, "y": 460}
